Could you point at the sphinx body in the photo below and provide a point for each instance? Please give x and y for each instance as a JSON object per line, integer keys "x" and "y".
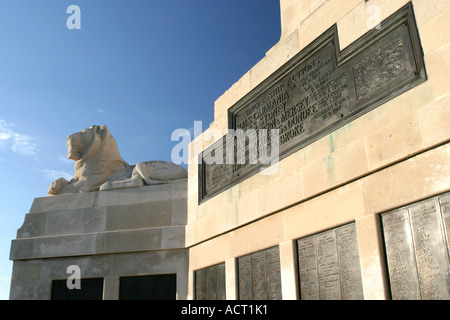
{"x": 99, "y": 166}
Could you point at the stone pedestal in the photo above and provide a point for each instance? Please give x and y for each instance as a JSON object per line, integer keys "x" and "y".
{"x": 107, "y": 234}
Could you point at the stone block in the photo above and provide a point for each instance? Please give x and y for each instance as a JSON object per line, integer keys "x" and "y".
{"x": 317, "y": 150}
{"x": 371, "y": 251}
{"x": 26, "y": 271}
{"x": 237, "y": 91}
{"x": 293, "y": 13}
{"x": 288, "y": 269}
{"x": 172, "y": 237}
{"x": 275, "y": 58}
{"x": 21, "y": 249}
{"x": 62, "y": 202}
{"x": 179, "y": 210}
{"x": 280, "y": 192}
{"x": 33, "y": 225}
{"x": 434, "y": 121}
{"x": 29, "y": 291}
{"x": 426, "y": 10}
{"x": 129, "y": 241}
{"x": 332, "y": 209}
{"x": 231, "y": 279}
{"x": 438, "y": 68}
{"x": 76, "y": 221}
{"x": 338, "y": 167}
{"x": 393, "y": 142}
{"x": 137, "y": 216}
{"x": 322, "y": 19}
{"x": 419, "y": 177}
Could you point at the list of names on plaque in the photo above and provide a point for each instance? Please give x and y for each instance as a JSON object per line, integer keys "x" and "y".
{"x": 400, "y": 255}
{"x": 417, "y": 250}
{"x": 307, "y": 265}
{"x": 210, "y": 283}
{"x": 349, "y": 266}
{"x": 245, "y": 278}
{"x": 329, "y": 267}
{"x": 260, "y": 276}
{"x": 444, "y": 203}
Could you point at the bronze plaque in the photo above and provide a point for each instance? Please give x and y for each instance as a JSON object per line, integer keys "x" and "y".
{"x": 329, "y": 267}
{"x": 400, "y": 255}
{"x": 210, "y": 283}
{"x": 417, "y": 251}
{"x": 444, "y": 203}
{"x": 259, "y": 275}
{"x": 313, "y": 94}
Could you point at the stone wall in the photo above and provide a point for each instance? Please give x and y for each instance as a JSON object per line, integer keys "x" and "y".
{"x": 396, "y": 154}
{"x": 108, "y": 234}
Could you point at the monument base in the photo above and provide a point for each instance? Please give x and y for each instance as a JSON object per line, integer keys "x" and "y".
{"x": 126, "y": 239}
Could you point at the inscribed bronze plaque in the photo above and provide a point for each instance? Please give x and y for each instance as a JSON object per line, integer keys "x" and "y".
{"x": 210, "y": 283}
{"x": 313, "y": 94}
{"x": 329, "y": 267}
{"x": 259, "y": 275}
{"x": 417, "y": 250}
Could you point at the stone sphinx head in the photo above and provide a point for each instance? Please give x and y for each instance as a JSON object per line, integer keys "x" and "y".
{"x": 96, "y": 158}
{"x": 93, "y": 143}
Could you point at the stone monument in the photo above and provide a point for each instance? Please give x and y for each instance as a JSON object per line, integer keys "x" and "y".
{"x": 120, "y": 227}
{"x": 357, "y": 206}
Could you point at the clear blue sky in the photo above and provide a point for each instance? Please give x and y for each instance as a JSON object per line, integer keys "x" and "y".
{"x": 142, "y": 67}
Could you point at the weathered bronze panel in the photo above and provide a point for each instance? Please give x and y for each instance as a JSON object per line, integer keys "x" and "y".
{"x": 349, "y": 265}
{"x": 200, "y": 284}
{"x": 273, "y": 274}
{"x": 400, "y": 255}
{"x": 444, "y": 203}
{"x": 316, "y": 92}
{"x": 210, "y": 283}
{"x": 221, "y": 282}
{"x": 307, "y": 264}
{"x": 431, "y": 250}
{"x": 329, "y": 267}
{"x": 416, "y": 239}
{"x": 260, "y": 276}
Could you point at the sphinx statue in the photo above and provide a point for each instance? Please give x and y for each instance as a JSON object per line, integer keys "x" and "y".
{"x": 99, "y": 166}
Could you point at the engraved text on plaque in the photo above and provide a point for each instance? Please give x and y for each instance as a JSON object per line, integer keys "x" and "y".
{"x": 210, "y": 283}
{"x": 417, "y": 250}
{"x": 329, "y": 267}
{"x": 259, "y": 275}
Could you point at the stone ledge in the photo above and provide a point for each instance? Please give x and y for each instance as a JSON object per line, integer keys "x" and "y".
{"x": 158, "y": 192}
{"x": 164, "y": 238}
{"x": 152, "y": 214}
